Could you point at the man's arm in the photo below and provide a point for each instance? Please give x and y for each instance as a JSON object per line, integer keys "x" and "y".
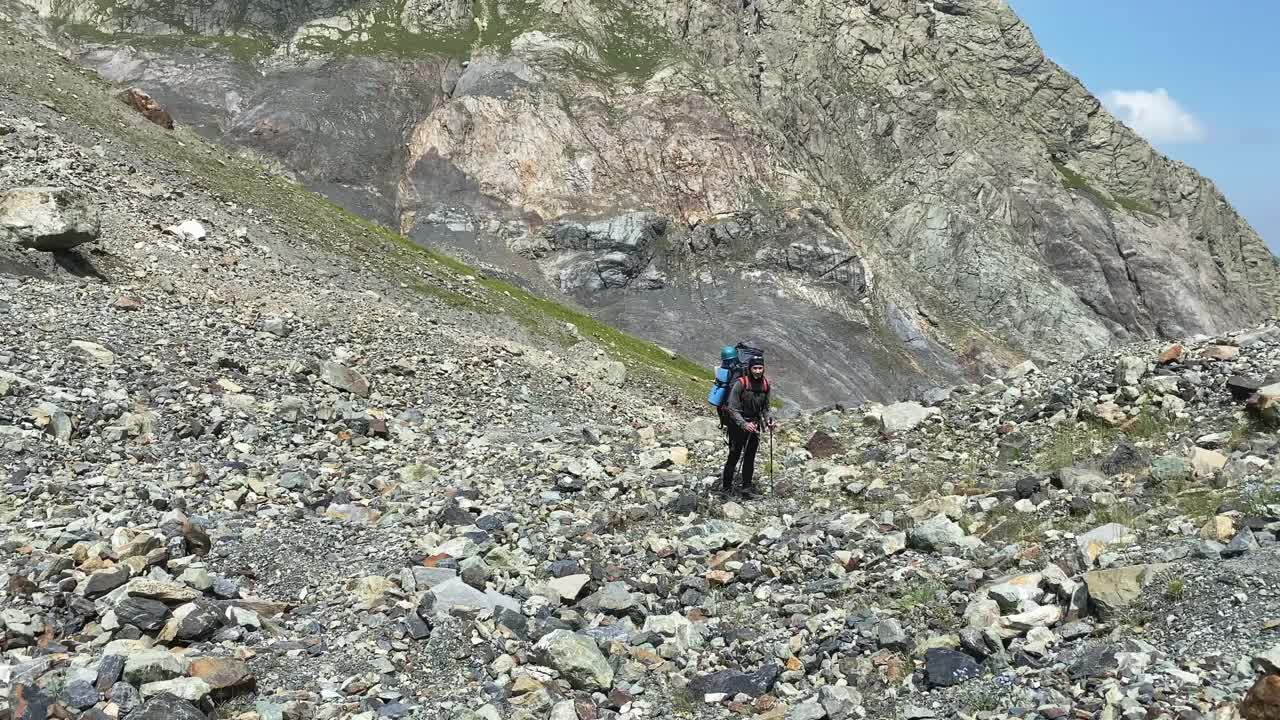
{"x": 734, "y": 406}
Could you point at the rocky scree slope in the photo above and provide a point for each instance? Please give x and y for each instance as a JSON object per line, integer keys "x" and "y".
{"x": 249, "y": 476}
{"x": 913, "y": 180}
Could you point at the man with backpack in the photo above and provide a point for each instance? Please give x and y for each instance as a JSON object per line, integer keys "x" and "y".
{"x": 746, "y": 413}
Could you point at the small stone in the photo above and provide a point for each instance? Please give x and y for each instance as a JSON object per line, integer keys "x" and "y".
{"x": 1113, "y": 590}
{"x": 189, "y": 230}
{"x": 1171, "y": 354}
{"x": 1206, "y": 463}
{"x": 570, "y": 587}
{"x": 811, "y": 710}
{"x": 1220, "y": 528}
{"x": 80, "y": 694}
{"x": 889, "y": 634}
{"x": 125, "y": 696}
{"x": 150, "y": 666}
{"x": 344, "y": 378}
{"x": 1129, "y": 370}
{"x": 732, "y": 682}
{"x": 144, "y": 614}
{"x": 840, "y": 701}
{"x": 822, "y": 446}
{"x": 127, "y": 303}
{"x": 945, "y": 668}
{"x": 104, "y": 581}
{"x": 92, "y": 352}
{"x": 167, "y": 707}
{"x": 936, "y": 534}
{"x": 1243, "y": 542}
{"x": 224, "y": 676}
{"x": 193, "y": 690}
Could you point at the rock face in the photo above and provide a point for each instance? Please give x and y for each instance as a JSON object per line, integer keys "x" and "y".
{"x": 47, "y": 218}
{"x": 914, "y": 183}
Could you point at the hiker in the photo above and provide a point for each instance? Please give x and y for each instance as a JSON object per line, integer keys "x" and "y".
{"x": 746, "y": 413}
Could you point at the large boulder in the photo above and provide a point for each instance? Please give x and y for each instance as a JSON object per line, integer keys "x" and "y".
{"x": 143, "y": 102}
{"x": 47, "y": 218}
{"x": 936, "y": 534}
{"x": 904, "y": 416}
{"x": 577, "y": 658}
{"x": 1113, "y": 590}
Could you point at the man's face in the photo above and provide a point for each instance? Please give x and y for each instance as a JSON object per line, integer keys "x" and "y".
{"x": 757, "y": 371}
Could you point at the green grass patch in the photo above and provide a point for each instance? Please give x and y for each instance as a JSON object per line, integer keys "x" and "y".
{"x": 1006, "y": 525}
{"x": 1075, "y": 181}
{"x": 246, "y": 49}
{"x": 1121, "y": 513}
{"x": 1134, "y": 205}
{"x": 1073, "y": 443}
{"x": 1149, "y": 425}
{"x": 917, "y": 593}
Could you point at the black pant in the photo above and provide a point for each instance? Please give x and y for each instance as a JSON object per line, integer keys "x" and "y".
{"x": 742, "y": 444}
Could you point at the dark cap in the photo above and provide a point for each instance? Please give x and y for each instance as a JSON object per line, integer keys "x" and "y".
{"x": 756, "y": 360}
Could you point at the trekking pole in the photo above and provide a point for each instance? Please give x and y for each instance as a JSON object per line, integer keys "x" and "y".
{"x": 770, "y": 460}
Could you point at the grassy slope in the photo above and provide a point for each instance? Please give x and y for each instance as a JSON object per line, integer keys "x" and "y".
{"x": 32, "y": 71}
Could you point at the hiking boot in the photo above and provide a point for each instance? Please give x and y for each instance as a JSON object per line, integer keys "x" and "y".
{"x": 749, "y": 491}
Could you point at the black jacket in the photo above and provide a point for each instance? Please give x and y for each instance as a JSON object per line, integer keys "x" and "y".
{"x": 749, "y": 402}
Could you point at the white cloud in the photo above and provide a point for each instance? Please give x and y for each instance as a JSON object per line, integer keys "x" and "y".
{"x": 1154, "y": 115}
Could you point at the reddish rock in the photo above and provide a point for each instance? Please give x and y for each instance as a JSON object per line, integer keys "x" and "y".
{"x": 150, "y": 109}
{"x": 1171, "y": 354}
{"x": 225, "y": 676}
{"x": 127, "y": 302}
{"x": 1263, "y": 700}
{"x": 823, "y": 446}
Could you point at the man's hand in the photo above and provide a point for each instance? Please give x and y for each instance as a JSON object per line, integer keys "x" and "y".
{"x": 773, "y": 424}
{"x": 751, "y": 427}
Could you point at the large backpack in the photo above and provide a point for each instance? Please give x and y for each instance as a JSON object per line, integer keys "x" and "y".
{"x": 734, "y": 362}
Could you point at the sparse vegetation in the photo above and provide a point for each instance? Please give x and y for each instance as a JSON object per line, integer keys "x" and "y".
{"x": 1076, "y": 443}
{"x": 1075, "y": 181}
{"x": 1260, "y": 500}
{"x": 1175, "y": 588}
{"x": 1134, "y": 205}
{"x": 1121, "y": 513}
{"x": 1073, "y": 443}
{"x": 1197, "y": 502}
{"x": 920, "y": 591}
{"x": 1005, "y": 525}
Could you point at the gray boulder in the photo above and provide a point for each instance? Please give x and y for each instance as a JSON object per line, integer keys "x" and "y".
{"x": 577, "y": 658}
{"x": 47, "y": 218}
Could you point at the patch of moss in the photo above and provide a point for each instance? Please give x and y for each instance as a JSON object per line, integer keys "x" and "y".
{"x": 1075, "y": 181}
{"x": 1134, "y": 205}
{"x": 241, "y": 48}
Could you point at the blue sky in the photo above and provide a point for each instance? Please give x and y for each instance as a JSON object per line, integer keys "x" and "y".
{"x": 1199, "y": 79}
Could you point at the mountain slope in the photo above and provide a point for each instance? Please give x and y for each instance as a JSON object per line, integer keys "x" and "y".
{"x": 260, "y": 459}
{"x": 888, "y": 194}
